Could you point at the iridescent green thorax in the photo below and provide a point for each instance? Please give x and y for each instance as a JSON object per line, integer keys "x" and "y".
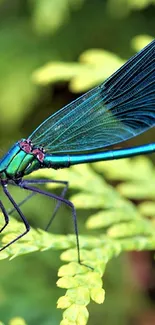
{"x": 24, "y": 158}
{"x": 20, "y": 160}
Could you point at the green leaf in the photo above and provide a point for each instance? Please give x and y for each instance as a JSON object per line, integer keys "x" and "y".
{"x": 49, "y": 15}
{"x": 94, "y": 66}
{"x": 124, "y": 227}
{"x": 17, "y": 321}
{"x": 75, "y": 315}
{"x": 147, "y": 209}
{"x": 140, "y": 41}
{"x": 98, "y": 295}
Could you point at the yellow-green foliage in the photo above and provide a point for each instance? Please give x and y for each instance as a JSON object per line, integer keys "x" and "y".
{"x": 94, "y": 66}
{"x": 122, "y": 226}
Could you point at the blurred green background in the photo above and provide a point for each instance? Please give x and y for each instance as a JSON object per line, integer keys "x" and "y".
{"x": 35, "y": 33}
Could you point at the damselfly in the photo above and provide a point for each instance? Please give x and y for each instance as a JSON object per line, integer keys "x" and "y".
{"x": 120, "y": 108}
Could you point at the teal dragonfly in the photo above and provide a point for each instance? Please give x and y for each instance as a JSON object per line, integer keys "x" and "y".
{"x": 120, "y": 108}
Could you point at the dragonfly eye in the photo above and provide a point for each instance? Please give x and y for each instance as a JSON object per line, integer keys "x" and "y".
{"x": 26, "y": 146}
{"x": 39, "y": 154}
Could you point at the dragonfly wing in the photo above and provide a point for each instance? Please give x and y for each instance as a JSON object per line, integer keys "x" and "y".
{"x": 118, "y": 109}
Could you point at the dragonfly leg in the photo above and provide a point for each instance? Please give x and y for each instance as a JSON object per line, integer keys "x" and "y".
{"x": 23, "y": 184}
{"x": 15, "y": 205}
{"x": 28, "y": 197}
{"x": 5, "y": 214}
{"x": 62, "y": 195}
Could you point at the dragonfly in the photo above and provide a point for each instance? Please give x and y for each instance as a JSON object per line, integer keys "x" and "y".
{"x": 120, "y": 108}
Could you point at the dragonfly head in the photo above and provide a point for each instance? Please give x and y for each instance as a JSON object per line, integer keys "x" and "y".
{"x": 28, "y": 147}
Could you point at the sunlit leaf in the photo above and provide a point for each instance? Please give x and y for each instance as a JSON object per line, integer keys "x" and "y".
{"x": 94, "y": 67}
{"x": 124, "y": 227}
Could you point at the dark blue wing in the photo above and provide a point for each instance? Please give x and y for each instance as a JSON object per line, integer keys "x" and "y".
{"x": 120, "y": 108}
